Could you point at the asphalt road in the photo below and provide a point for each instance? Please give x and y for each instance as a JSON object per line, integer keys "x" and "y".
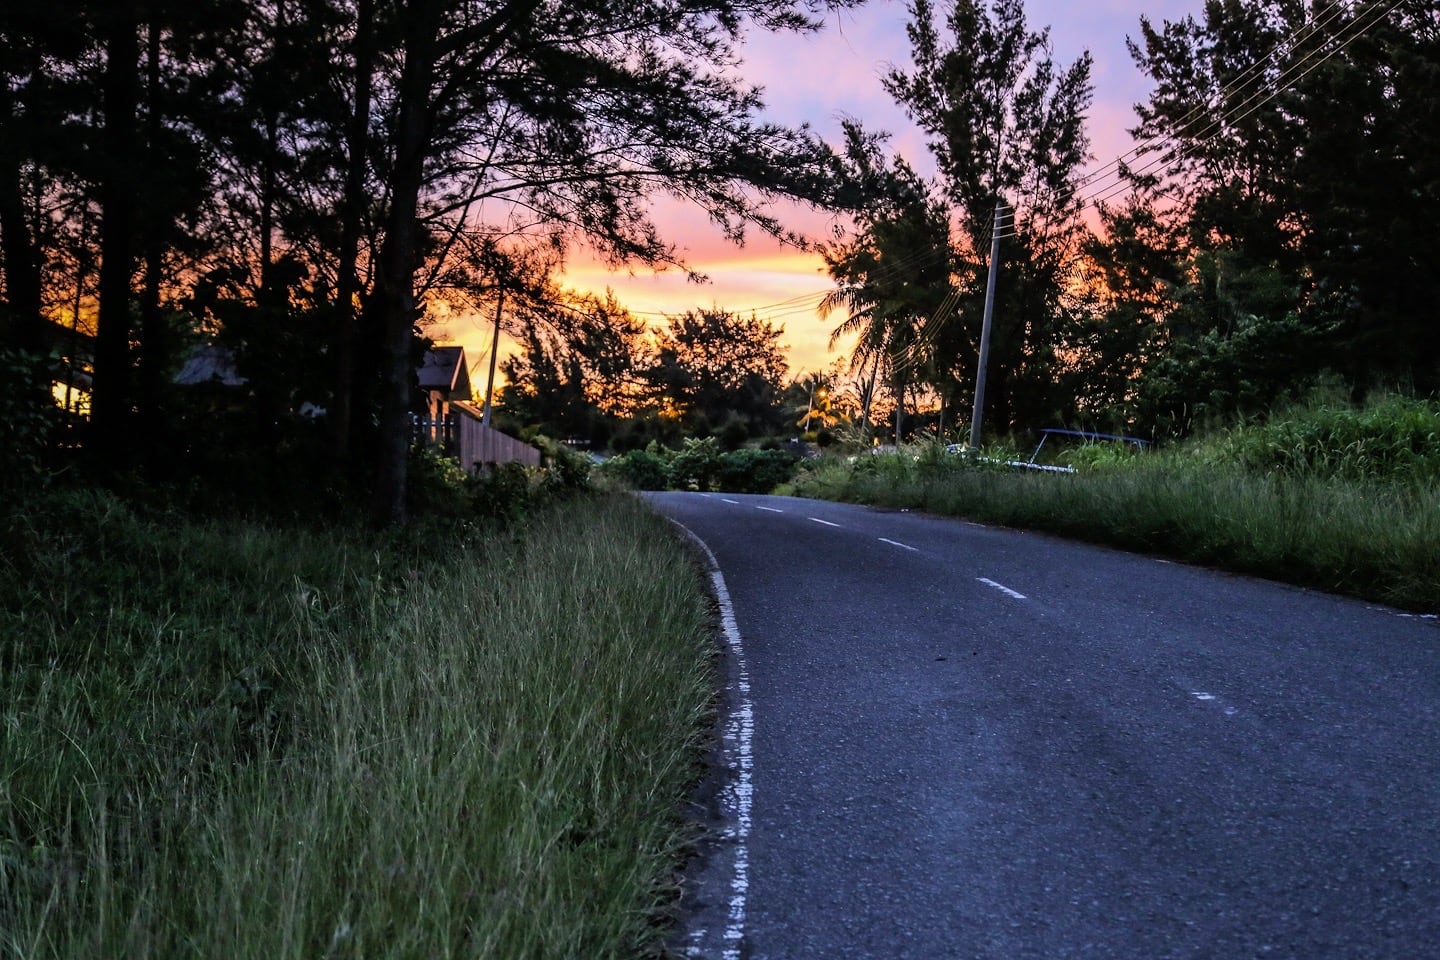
{"x": 945, "y": 740}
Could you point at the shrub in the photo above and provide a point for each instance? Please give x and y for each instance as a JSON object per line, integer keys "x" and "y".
{"x": 566, "y": 469}
{"x": 697, "y": 465}
{"x": 734, "y": 433}
{"x": 28, "y": 416}
{"x": 1100, "y": 456}
{"x": 436, "y": 485}
{"x": 755, "y": 471}
{"x": 506, "y": 493}
{"x": 641, "y": 469}
{"x": 1395, "y": 439}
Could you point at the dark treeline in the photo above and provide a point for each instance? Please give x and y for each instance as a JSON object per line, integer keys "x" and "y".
{"x": 590, "y": 371}
{"x": 294, "y": 180}
{"x": 1273, "y": 226}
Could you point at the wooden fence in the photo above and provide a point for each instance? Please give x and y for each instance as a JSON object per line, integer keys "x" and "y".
{"x": 479, "y": 447}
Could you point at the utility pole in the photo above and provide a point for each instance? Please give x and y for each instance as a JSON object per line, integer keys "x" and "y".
{"x": 985, "y": 326}
{"x": 494, "y": 355}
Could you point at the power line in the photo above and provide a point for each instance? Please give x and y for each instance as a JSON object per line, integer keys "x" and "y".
{"x": 1253, "y": 73}
{"x": 1235, "y": 113}
{"x": 1115, "y": 177}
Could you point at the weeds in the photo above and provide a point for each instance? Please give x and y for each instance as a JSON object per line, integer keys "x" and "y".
{"x": 1391, "y": 440}
{"x": 223, "y": 740}
{"x": 1314, "y": 527}
{"x": 701, "y": 465}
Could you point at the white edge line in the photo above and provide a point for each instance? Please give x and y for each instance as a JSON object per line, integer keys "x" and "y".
{"x": 736, "y": 799}
{"x": 902, "y": 546}
{"x": 1001, "y": 587}
{"x": 826, "y": 522}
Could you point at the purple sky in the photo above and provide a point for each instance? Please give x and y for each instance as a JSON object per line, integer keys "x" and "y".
{"x": 817, "y": 80}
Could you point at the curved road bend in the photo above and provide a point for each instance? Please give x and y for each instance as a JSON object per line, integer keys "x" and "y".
{"x": 969, "y": 742}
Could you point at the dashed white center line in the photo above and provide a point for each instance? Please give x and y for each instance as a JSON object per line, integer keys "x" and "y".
{"x": 826, "y": 522}
{"x": 1202, "y": 696}
{"x": 770, "y": 509}
{"x": 728, "y": 500}
{"x": 902, "y": 546}
{"x": 1001, "y": 587}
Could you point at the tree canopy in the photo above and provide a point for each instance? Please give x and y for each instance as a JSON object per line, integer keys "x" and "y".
{"x": 1271, "y": 227}
{"x": 302, "y": 183}
{"x": 323, "y": 169}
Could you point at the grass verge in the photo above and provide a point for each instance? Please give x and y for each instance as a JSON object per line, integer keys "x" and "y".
{"x": 226, "y": 740}
{"x": 1375, "y": 541}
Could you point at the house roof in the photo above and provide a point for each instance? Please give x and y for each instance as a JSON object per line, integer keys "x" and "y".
{"x": 444, "y": 368}
{"x": 210, "y": 363}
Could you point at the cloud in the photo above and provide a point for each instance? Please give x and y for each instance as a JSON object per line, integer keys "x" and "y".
{"x": 818, "y": 79}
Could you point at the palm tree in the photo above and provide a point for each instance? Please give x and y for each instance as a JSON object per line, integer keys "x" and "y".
{"x": 893, "y": 281}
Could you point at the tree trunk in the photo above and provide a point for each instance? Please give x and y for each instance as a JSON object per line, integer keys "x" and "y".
{"x": 900, "y": 386}
{"x": 111, "y": 403}
{"x": 352, "y": 212}
{"x": 154, "y": 335}
{"x": 21, "y": 325}
{"x": 399, "y": 256}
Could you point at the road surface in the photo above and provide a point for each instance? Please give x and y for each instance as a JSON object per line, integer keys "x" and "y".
{"x": 944, "y": 740}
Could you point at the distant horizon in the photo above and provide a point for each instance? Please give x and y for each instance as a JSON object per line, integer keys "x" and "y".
{"x": 818, "y": 80}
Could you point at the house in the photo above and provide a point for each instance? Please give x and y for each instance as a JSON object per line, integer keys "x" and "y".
{"x": 444, "y": 376}
{"x": 451, "y": 421}
{"x": 443, "y": 415}
{"x": 210, "y": 363}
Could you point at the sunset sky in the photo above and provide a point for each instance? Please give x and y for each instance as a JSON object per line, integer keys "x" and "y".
{"x": 818, "y": 80}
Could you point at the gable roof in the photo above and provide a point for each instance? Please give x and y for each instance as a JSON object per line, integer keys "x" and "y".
{"x": 210, "y": 363}
{"x": 444, "y": 368}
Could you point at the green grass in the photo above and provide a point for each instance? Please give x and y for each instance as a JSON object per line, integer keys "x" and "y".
{"x": 1374, "y": 540}
{"x": 227, "y": 740}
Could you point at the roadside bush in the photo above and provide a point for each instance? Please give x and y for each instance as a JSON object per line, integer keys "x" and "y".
{"x": 1394, "y": 439}
{"x": 436, "y": 485}
{"x": 566, "y": 469}
{"x": 641, "y": 469}
{"x": 755, "y": 471}
{"x": 28, "y": 416}
{"x": 734, "y": 433}
{"x": 1110, "y": 455}
{"x": 700, "y": 465}
{"x": 507, "y": 493}
{"x": 697, "y": 465}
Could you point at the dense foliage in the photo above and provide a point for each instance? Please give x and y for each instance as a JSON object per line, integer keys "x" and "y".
{"x": 702, "y": 465}
{"x": 1271, "y": 228}
{"x": 301, "y": 180}
{"x": 1325, "y": 495}
{"x": 590, "y": 371}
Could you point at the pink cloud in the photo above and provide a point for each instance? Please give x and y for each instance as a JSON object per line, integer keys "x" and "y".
{"x": 818, "y": 79}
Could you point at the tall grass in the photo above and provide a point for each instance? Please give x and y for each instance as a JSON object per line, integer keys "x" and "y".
{"x": 222, "y": 740}
{"x": 1391, "y": 439}
{"x": 1368, "y": 539}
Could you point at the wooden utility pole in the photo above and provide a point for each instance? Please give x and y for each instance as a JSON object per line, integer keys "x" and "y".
{"x": 494, "y": 354}
{"x": 985, "y": 326}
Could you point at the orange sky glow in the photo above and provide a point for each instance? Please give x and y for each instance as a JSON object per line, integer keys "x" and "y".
{"x": 817, "y": 80}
